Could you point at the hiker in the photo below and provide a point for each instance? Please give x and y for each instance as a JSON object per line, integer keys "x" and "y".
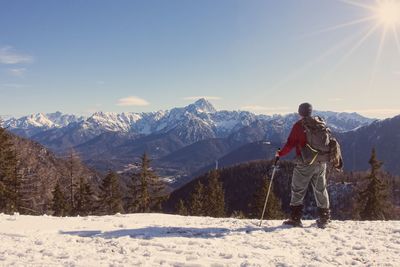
{"x": 311, "y": 138}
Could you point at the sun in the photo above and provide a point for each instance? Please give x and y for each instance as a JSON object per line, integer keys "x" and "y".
{"x": 388, "y": 12}
{"x": 380, "y": 16}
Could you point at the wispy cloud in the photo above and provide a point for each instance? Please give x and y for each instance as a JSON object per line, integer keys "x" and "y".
{"x": 17, "y": 72}
{"x": 9, "y": 56}
{"x": 132, "y": 101}
{"x": 13, "y": 85}
{"x": 193, "y": 98}
{"x": 266, "y": 110}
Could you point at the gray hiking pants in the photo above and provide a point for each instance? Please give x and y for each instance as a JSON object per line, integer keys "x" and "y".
{"x": 302, "y": 176}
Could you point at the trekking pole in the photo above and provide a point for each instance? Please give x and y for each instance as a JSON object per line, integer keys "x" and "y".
{"x": 269, "y": 188}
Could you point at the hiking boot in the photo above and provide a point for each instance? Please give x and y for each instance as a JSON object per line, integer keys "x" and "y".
{"x": 324, "y": 217}
{"x": 295, "y": 216}
{"x": 294, "y": 223}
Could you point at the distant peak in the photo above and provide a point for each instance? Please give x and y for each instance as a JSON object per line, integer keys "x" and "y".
{"x": 203, "y": 105}
{"x": 101, "y": 114}
{"x": 57, "y": 113}
{"x": 39, "y": 115}
{"x": 201, "y": 101}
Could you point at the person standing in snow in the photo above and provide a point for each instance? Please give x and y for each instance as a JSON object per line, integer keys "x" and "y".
{"x": 307, "y": 170}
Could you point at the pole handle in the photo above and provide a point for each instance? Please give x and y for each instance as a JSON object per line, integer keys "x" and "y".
{"x": 277, "y": 158}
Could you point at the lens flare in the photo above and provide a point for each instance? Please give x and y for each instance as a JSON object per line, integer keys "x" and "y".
{"x": 388, "y": 12}
{"x": 381, "y": 17}
{"x": 386, "y": 15}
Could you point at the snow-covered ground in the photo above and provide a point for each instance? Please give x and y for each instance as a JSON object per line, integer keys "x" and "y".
{"x": 167, "y": 240}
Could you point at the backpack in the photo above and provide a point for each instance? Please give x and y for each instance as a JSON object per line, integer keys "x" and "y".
{"x": 321, "y": 145}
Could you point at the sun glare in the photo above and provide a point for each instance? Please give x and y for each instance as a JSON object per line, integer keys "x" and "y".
{"x": 388, "y": 12}
{"x": 381, "y": 21}
{"x": 381, "y": 15}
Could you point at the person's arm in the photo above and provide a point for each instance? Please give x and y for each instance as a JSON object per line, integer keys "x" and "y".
{"x": 290, "y": 144}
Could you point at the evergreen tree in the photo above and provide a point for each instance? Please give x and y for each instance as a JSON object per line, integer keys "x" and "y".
{"x": 110, "y": 199}
{"x": 133, "y": 194}
{"x": 10, "y": 179}
{"x": 73, "y": 171}
{"x": 146, "y": 189}
{"x": 274, "y": 207}
{"x": 84, "y": 198}
{"x": 197, "y": 200}
{"x": 59, "y": 205}
{"x": 14, "y": 185}
{"x": 215, "y": 196}
{"x": 181, "y": 208}
{"x": 372, "y": 200}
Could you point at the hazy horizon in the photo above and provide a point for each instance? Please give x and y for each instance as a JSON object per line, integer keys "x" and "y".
{"x": 5, "y": 117}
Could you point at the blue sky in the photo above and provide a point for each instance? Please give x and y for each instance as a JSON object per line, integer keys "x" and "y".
{"x": 261, "y": 55}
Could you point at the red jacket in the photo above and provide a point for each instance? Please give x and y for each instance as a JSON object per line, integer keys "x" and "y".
{"x": 297, "y": 139}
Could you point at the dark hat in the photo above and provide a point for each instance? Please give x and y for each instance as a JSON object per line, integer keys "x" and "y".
{"x": 305, "y": 109}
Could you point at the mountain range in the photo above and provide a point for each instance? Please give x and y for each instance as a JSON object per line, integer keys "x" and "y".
{"x": 194, "y": 122}
{"x": 182, "y": 141}
{"x": 383, "y": 135}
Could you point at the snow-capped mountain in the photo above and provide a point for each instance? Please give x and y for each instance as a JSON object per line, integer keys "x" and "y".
{"x": 204, "y": 119}
{"x": 344, "y": 122}
{"x": 38, "y": 120}
{"x": 119, "y": 138}
{"x": 30, "y": 125}
{"x": 382, "y": 135}
{"x": 194, "y": 122}
{"x": 5, "y": 117}
{"x": 62, "y": 120}
{"x": 113, "y": 122}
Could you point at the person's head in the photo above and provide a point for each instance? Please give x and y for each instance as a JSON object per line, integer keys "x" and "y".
{"x": 305, "y": 110}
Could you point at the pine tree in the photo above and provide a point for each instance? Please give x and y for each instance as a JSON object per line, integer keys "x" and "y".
{"x": 59, "y": 205}
{"x": 110, "y": 199}
{"x": 84, "y": 198}
{"x": 10, "y": 179}
{"x": 181, "y": 208}
{"x": 197, "y": 200}
{"x": 15, "y": 197}
{"x": 372, "y": 200}
{"x": 146, "y": 189}
{"x": 73, "y": 171}
{"x": 274, "y": 207}
{"x": 215, "y": 196}
{"x": 133, "y": 194}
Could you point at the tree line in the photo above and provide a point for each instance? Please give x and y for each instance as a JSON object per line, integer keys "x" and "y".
{"x": 74, "y": 194}
{"x": 145, "y": 194}
{"x": 10, "y": 180}
{"x": 209, "y": 200}
{"x": 371, "y": 195}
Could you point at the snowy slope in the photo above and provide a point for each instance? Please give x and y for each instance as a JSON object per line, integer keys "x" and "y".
{"x": 167, "y": 240}
{"x": 30, "y": 125}
{"x": 40, "y": 120}
{"x": 35, "y": 120}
